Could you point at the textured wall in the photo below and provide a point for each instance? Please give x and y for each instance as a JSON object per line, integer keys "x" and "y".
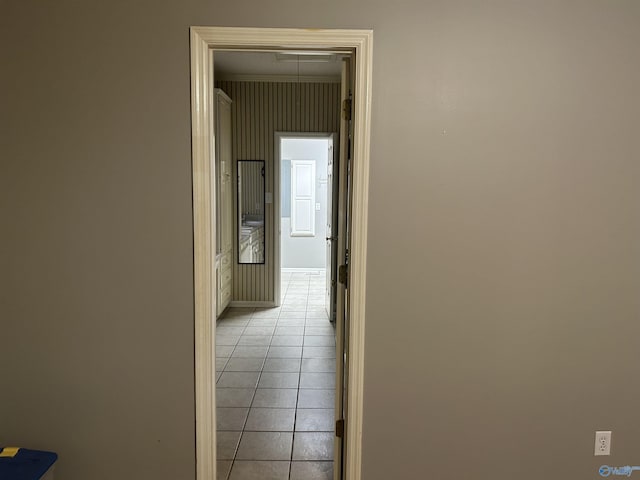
{"x": 504, "y": 233}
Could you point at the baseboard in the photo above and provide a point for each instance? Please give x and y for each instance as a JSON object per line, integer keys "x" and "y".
{"x": 235, "y": 303}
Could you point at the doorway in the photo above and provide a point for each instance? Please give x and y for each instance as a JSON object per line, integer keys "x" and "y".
{"x": 307, "y": 200}
{"x": 204, "y": 40}
{"x": 276, "y": 365}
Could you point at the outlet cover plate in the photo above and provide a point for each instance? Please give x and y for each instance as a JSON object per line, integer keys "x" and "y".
{"x": 603, "y": 443}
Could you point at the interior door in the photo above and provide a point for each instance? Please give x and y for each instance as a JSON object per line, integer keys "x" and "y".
{"x": 331, "y": 253}
{"x": 342, "y": 244}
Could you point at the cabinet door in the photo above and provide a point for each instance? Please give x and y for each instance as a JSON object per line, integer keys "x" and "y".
{"x": 224, "y": 200}
{"x": 226, "y": 227}
{"x": 226, "y": 191}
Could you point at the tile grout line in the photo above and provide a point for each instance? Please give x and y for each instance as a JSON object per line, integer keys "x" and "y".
{"x": 222, "y": 318}
{"x": 306, "y": 323}
{"x": 295, "y": 411}
{"x": 235, "y": 453}
{"x": 255, "y": 391}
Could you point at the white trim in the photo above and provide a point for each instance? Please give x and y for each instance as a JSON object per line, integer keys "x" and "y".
{"x": 203, "y": 40}
{"x": 240, "y": 77}
{"x": 277, "y": 223}
{"x": 203, "y": 258}
{"x": 363, "y": 69}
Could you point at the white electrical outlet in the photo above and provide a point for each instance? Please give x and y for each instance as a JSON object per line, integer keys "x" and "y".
{"x": 603, "y": 443}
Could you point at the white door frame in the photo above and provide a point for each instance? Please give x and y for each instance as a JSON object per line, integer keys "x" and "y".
{"x": 203, "y": 41}
{"x": 277, "y": 189}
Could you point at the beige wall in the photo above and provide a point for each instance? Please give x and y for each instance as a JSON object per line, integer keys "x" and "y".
{"x": 502, "y": 324}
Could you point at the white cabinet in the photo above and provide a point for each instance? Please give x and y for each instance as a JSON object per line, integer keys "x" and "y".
{"x": 224, "y": 200}
{"x": 252, "y": 245}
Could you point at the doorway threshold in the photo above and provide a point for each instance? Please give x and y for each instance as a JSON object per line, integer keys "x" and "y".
{"x": 308, "y": 271}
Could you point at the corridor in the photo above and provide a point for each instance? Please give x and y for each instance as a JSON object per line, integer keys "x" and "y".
{"x": 275, "y": 386}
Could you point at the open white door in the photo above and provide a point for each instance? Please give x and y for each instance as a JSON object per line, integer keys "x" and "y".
{"x": 342, "y": 258}
{"x": 331, "y": 236}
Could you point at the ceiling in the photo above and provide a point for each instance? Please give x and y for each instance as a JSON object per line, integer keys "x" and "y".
{"x": 271, "y": 63}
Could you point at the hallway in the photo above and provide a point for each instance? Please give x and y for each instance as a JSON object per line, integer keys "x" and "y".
{"x": 275, "y": 386}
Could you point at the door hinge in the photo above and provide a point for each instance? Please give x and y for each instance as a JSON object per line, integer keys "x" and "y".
{"x": 340, "y": 428}
{"x": 343, "y": 274}
{"x": 346, "y": 109}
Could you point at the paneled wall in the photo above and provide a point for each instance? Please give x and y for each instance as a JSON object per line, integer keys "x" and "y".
{"x": 250, "y": 187}
{"x": 260, "y": 109}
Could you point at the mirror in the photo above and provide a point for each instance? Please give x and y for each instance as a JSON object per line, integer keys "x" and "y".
{"x": 251, "y": 211}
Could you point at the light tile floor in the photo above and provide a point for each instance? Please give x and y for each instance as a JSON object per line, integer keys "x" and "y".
{"x": 275, "y": 387}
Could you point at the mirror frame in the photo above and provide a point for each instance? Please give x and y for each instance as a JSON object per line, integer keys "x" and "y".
{"x": 239, "y": 212}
